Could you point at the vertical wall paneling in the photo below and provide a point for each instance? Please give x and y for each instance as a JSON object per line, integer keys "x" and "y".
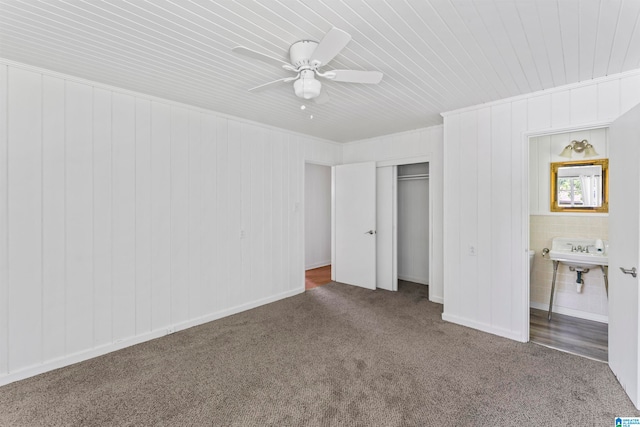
{"x": 179, "y": 214}
{"x": 102, "y": 218}
{"x": 296, "y": 163}
{"x": 451, "y": 244}
{"x": 608, "y": 100}
{"x": 123, "y": 216}
{"x": 257, "y": 214}
{"x": 267, "y": 198}
{"x": 560, "y": 109}
{"x": 247, "y": 141}
{"x": 519, "y": 229}
{"x": 223, "y": 228}
{"x": 629, "y": 93}
{"x": 209, "y": 264}
{"x": 288, "y": 206}
{"x": 160, "y": 152}
{"x": 539, "y": 110}
{"x": 468, "y": 209}
{"x": 583, "y": 109}
{"x": 501, "y": 214}
{"x": 278, "y": 227}
{"x": 484, "y": 215}
{"x": 196, "y": 306}
{"x": 235, "y": 228}
{"x": 79, "y": 216}
{"x": 143, "y": 215}
{"x": 24, "y": 130}
{"x": 4, "y": 222}
{"x": 534, "y": 178}
{"x": 53, "y": 219}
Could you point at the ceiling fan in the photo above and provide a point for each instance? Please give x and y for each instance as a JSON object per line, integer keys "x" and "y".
{"x": 307, "y": 56}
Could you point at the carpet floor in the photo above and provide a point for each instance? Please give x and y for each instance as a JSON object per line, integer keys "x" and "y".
{"x": 335, "y": 355}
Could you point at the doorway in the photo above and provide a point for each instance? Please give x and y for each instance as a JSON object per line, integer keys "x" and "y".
{"x": 317, "y": 223}
{"x": 579, "y": 316}
{"x": 413, "y": 223}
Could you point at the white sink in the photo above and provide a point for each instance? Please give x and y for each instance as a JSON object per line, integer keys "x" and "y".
{"x": 578, "y": 253}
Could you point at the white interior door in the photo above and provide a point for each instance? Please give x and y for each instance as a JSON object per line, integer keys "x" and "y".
{"x": 624, "y": 235}
{"x": 355, "y": 224}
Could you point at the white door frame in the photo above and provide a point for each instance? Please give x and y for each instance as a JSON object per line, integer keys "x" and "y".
{"x": 526, "y": 137}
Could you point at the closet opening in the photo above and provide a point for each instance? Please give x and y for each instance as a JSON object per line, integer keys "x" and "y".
{"x": 413, "y": 224}
{"x": 317, "y": 225}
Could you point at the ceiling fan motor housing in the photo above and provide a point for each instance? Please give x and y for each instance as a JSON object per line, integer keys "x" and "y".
{"x": 300, "y": 52}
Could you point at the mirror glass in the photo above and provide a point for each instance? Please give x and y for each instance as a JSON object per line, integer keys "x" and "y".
{"x": 580, "y": 186}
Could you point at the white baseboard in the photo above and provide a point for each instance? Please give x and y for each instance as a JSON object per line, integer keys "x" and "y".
{"x": 436, "y": 299}
{"x": 317, "y": 265}
{"x": 81, "y": 356}
{"x": 419, "y": 280}
{"x": 483, "y": 327}
{"x": 570, "y": 312}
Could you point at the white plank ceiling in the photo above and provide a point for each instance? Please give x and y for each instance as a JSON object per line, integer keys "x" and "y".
{"x": 436, "y": 55}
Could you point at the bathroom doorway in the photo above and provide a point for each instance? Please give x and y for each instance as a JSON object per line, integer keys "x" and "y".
{"x": 579, "y": 312}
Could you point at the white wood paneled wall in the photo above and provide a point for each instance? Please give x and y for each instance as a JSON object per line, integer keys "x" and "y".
{"x": 124, "y": 218}
{"x": 426, "y": 142}
{"x": 485, "y": 194}
{"x": 317, "y": 216}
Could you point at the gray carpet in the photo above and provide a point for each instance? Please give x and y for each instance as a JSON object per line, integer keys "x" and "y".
{"x": 335, "y": 355}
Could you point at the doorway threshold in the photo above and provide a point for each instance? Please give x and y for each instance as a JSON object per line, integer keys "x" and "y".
{"x": 572, "y": 335}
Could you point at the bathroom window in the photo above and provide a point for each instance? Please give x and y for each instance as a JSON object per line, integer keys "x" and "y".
{"x": 570, "y": 191}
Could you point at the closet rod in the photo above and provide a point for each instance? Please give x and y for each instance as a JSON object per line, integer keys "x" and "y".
{"x": 418, "y": 176}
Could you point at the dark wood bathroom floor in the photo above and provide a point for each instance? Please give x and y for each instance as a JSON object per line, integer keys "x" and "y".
{"x": 583, "y": 337}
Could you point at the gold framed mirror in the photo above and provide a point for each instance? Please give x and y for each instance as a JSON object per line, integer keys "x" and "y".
{"x": 580, "y": 186}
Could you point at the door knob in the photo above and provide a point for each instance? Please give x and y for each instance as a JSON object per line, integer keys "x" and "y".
{"x": 370, "y": 232}
{"x": 631, "y": 271}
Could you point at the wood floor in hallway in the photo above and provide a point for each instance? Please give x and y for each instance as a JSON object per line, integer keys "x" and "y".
{"x": 317, "y": 277}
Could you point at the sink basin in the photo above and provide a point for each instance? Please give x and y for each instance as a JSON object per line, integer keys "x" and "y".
{"x": 561, "y": 250}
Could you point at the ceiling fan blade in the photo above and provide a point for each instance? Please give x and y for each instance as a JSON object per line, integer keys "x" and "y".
{"x": 273, "y": 83}
{"x": 354, "y": 76}
{"x": 323, "y": 98}
{"x": 261, "y": 56}
{"x": 330, "y": 45}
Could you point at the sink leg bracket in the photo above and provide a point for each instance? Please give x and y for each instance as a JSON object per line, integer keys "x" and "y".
{"x": 553, "y": 287}
{"x": 605, "y": 274}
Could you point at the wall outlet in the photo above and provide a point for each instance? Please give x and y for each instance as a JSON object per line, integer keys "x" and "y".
{"x": 242, "y": 234}
{"x": 472, "y": 250}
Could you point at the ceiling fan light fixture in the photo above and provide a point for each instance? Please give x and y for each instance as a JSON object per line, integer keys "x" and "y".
{"x": 307, "y": 88}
